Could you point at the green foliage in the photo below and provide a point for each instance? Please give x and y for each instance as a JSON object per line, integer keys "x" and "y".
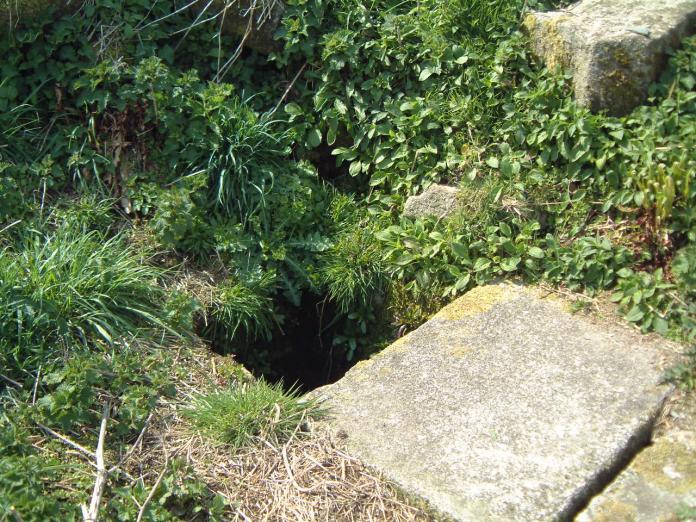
{"x": 684, "y": 373}
{"x": 21, "y": 481}
{"x": 249, "y": 412}
{"x": 181, "y": 495}
{"x": 67, "y": 287}
{"x": 352, "y": 270}
{"x": 400, "y": 94}
{"x": 243, "y": 309}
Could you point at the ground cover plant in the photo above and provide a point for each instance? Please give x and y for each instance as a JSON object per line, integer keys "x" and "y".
{"x": 150, "y": 203}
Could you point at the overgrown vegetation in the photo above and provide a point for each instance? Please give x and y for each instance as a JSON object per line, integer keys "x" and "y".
{"x": 127, "y": 159}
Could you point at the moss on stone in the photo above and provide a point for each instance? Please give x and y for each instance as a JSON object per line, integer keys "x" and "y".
{"x": 616, "y": 511}
{"x": 665, "y": 453}
{"x": 459, "y": 350}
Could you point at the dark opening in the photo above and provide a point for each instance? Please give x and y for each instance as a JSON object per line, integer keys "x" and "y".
{"x": 301, "y": 353}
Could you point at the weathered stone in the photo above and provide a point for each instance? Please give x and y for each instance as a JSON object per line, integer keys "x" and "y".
{"x": 437, "y": 200}
{"x": 614, "y": 48}
{"x": 504, "y": 406}
{"x": 660, "y": 483}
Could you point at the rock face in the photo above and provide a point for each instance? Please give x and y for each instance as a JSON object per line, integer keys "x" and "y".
{"x": 504, "y": 406}
{"x": 614, "y": 48}
{"x": 660, "y": 483}
{"x": 437, "y": 200}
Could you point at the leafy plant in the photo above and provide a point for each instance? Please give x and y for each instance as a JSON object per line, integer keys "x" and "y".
{"x": 684, "y": 373}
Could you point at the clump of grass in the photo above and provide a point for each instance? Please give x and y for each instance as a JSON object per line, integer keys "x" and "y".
{"x": 252, "y": 411}
{"x": 243, "y": 310}
{"x": 68, "y": 287}
{"x": 353, "y": 271}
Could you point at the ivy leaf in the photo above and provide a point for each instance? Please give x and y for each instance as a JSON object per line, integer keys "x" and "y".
{"x": 426, "y": 73}
{"x": 635, "y": 314}
{"x": 355, "y": 168}
{"x": 510, "y": 264}
{"x": 481, "y": 264}
{"x": 460, "y": 250}
{"x": 340, "y": 107}
{"x": 293, "y": 109}
{"x": 536, "y": 252}
{"x": 314, "y": 138}
{"x": 462, "y": 282}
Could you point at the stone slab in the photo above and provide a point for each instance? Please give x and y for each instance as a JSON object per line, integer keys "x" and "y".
{"x": 504, "y": 406}
{"x": 614, "y": 48}
{"x": 437, "y": 200}
{"x": 660, "y": 483}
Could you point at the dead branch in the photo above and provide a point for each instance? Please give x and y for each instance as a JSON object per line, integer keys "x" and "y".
{"x": 154, "y": 488}
{"x": 92, "y": 513}
{"x": 11, "y": 381}
{"x": 66, "y": 440}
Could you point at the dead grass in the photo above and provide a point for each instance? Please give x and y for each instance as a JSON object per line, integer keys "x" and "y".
{"x": 309, "y": 478}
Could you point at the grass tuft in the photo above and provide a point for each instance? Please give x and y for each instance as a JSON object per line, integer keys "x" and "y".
{"x": 244, "y": 413}
{"x": 68, "y": 287}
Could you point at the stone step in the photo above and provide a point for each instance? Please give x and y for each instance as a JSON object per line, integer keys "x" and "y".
{"x": 504, "y": 406}
{"x": 660, "y": 483}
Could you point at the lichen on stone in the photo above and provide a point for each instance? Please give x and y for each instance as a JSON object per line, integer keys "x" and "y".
{"x": 477, "y": 301}
{"x": 616, "y": 511}
{"x": 651, "y": 464}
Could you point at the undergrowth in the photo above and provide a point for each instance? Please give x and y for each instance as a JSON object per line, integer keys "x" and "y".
{"x": 127, "y": 158}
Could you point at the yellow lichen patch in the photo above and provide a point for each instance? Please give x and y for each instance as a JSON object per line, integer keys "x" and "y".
{"x": 476, "y": 301}
{"x": 529, "y": 23}
{"x": 384, "y": 371}
{"x": 548, "y": 41}
{"x": 668, "y": 465}
{"x": 615, "y": 511}
{"x": 359, "y": 371}
{"x": 459, "y": 351}
{"x": 400, "y": 345}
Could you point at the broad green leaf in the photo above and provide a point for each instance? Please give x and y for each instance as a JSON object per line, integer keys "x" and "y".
{"x": 536, "y": 252}
{"x": 635, "y": 314}
{"x": 314, "y": 138}
{"x": 293, "y": 109}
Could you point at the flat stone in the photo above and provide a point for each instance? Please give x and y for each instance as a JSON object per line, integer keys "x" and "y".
{"x": 504, "y": 406}
{"x": 437, "y": 200}
{"x": 614, "y": 48}
{"x": 660, "y": 483}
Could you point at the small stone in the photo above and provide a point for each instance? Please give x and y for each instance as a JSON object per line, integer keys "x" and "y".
{"x": 614, "y": 48}
{"x": 437, "y": 200}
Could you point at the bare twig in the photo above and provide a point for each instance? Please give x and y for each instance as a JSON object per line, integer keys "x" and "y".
{"x": 10, "y": 226}
{"x": 132, "y": 448}
{"x": 289, "y": 87}
{"x": 36, "y": 385}
{"x": 92, "y": 513}
{"x": 11, "y": 381}
{"x": 66, "y": 440}
{"x": 154, "y": 488}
